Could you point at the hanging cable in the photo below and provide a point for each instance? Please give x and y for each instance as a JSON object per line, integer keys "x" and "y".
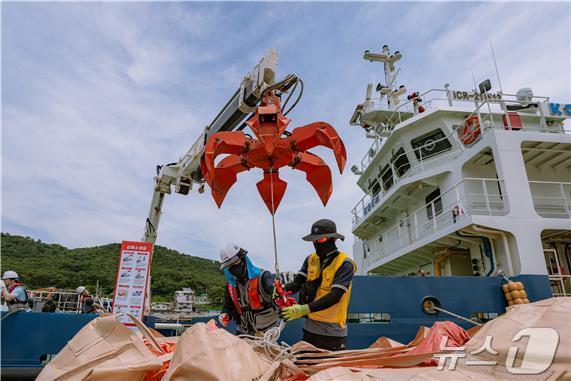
{"x": 289, "y": 95}
{"x": 277, "y": 266}
{"x": 298, "y": 98}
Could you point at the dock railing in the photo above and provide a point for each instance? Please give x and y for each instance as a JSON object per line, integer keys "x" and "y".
{"x": 471, "y": 196}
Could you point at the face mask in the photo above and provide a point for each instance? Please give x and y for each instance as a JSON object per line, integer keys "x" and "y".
{"x": 324, "y": 248}
{"x": 239, "y": 271}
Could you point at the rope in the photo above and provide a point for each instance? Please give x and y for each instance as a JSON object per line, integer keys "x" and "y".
{"x": 268, "y": 345}
{"x": 277, "y": 266}
{"x": 455, "y": 315}
{"x": 9, "y": 314}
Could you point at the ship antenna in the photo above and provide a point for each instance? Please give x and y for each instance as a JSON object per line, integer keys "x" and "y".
{"x": 474, "y": 79}
{"x": 496, "y": 66}
{"x": 388, "y": 59}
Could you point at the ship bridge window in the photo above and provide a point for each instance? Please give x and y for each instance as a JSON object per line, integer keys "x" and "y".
{"x": 387, "y": 177}
{"x": 434, "y": 196}
{"x": 374, "y": 187}
{"x": 431, "y": 144}
{"x": 401, "y": 162}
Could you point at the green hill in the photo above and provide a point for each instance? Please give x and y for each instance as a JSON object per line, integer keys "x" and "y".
{"x": 51, "y": 265}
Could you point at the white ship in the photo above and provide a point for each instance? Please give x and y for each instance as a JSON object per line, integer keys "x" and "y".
{"x": 464, "y": 183}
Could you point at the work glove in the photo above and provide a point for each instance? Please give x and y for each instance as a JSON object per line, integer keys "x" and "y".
{"x": 3, "y": 285}
{"x": 224, "y": 319}
{"x": 296, "y": 311}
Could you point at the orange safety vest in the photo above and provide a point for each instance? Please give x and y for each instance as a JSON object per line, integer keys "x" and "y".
{"x": 254, "y": 298}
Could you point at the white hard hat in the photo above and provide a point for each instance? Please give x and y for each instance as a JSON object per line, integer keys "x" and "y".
{"x": 230, "y": 255}
{"x": 80, "y": 289}
{"x": 10, "y": 275}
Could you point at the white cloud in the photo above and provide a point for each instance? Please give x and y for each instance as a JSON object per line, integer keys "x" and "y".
{"x": 95, "y": 95}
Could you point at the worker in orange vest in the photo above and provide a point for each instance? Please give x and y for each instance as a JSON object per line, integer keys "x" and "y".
{"x": 248, "y": 295}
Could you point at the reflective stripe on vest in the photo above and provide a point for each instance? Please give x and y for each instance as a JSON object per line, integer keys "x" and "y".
{"x": 254, "y": 299}
{"x": 337, "y": 313}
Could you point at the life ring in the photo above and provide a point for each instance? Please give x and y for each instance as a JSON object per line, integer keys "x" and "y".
{"x": 470, "y": 130}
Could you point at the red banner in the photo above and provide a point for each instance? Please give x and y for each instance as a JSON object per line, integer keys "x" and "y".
{"x": 132, "y": 278}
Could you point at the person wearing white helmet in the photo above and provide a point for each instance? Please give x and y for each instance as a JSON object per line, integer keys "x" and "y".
{"x": 14, "y": 292}
{"x": 88, "y": 305}
{"x": 248, "y": 295}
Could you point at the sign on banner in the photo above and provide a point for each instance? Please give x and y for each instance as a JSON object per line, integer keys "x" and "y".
{"x": 132, "y": 278}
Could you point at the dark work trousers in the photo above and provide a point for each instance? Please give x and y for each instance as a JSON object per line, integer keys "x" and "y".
{"x": 330, "y": 343}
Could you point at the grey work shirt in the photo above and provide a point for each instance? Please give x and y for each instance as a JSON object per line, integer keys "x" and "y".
{"x": 342, "y": 280}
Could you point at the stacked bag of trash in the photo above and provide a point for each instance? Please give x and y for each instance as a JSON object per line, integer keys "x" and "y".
{"x": 105, "y": 349}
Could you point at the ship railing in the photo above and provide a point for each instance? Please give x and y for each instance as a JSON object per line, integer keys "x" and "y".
{"x": 420, "y": 162}
{"x": 430, "y": 98}
{"x": 495, "y": 103}
{"x": 551, "y": 199}
{"x": 66, "y": 301}
{"x": 484, "y": 109}
{"x": 418, "y": 152}
{"x": 471, "y": 196}
{"x": 560, "y": 284}
{"x": 394, "y": 172}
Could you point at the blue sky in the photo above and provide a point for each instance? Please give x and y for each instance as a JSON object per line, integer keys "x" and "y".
{"x": 95, "y": 95}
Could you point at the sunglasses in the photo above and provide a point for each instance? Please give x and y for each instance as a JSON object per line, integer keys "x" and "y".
{"x": 321, "y": 240}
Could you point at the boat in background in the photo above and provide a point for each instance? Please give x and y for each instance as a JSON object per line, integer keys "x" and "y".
{"x": 466, "y": 183}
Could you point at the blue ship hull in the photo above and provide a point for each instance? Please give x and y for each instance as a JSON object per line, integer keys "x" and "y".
{"x": 29, "y": 340}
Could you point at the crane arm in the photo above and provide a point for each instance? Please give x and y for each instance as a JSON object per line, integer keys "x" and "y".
{"x": 186, "y": 170}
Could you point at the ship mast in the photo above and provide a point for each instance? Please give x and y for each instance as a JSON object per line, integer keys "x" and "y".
{"x": 388, "y": 91}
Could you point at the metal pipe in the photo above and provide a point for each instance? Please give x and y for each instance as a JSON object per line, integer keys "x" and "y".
{"x": 175, "y": 326}
{"x": 488, "y": 249}
{"x": 505, "y": 244}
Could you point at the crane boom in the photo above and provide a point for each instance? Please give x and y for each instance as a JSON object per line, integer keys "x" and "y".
{"x": 186, "y": 170}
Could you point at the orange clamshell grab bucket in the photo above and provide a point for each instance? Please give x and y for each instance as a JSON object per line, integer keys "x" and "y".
{"x": 270, "y": 152}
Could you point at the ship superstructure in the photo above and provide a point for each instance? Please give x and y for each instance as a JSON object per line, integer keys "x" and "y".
{"x": 462, "y": 182}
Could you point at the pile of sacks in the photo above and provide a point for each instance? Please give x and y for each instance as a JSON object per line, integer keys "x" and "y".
{"x": 105, "y": 350}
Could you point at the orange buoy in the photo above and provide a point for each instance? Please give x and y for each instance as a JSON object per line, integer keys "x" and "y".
{"x": 470, "y": 130}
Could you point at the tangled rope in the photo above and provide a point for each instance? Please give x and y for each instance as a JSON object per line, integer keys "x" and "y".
{"x": 268, "y": 346}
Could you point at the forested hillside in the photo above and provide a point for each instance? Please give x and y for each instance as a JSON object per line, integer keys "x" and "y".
{"x": 46, "y": 265}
